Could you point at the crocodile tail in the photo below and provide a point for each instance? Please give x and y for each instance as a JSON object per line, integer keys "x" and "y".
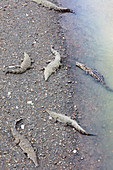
{"x": 108, "y": 88}
{"x": 86, "y": 133}
{"x": 64, "y": 10}
{"x": 80, "y": 129}
{"x": 16, "y": 71}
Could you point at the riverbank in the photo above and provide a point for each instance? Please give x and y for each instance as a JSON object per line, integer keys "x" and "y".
{"x": 26, "y": 27}
{"x": 87, "y": 42}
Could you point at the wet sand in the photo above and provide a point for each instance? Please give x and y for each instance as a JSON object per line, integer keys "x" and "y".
{"x": 26, "y": 27}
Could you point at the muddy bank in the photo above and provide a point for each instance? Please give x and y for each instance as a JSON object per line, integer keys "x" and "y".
{"x": 82, "y": 40}
{"x": 26, "y": 27}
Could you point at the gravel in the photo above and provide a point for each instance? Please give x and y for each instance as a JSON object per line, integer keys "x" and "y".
{"x": 26, "y": 27}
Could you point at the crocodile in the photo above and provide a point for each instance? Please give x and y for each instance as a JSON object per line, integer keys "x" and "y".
{"x": 23, "y": 143}
{"x": 51, "y": 5}
{"x": 53, "y": 65}
{"x": 68, "y": 121}
{"x": 95, "y": 74}
{"x": 25, "y": 65}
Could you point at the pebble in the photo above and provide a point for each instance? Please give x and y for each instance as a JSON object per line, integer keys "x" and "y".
{"x": 32, "y": 90}
{"x": 75, "y": 107}
{"x": 69, "y": 81}
{"x": 81, "y": 158}
{"x": 46, "y": 94}
{"x": 17, "y": 107}
{"x": 34, "y": 42}
{"x": 75, "y": 151}
{"x": 29, "y": 102}
{"x": 50, "y": 118}
{"x": 22, "y": 126}
{"x": 3, "y": 97}
{"x": 9, "y": 93}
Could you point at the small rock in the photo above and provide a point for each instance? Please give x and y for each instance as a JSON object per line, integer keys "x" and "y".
{"x": 16, "y": 107}
{"x": 30, "y": 102}
{"x": 75, "y": 107}
{"x": 3, "y": 97}
{"x": 31, "y": 90}
{"x": 22, "y": 126}
{"x": 9, "y": 93}
{"x": 46, "y": 94}
{"x": 69, "y": 81}
{"x": 50, "y": 118}
{"x": 34, "y": 42}
{"x": 75, "y": 151}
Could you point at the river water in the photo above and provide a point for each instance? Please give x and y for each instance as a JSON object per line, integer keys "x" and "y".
{"x": 89, "y": 39}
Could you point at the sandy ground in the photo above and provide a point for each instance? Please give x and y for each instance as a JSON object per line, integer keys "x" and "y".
{"x": 26, "y": 27}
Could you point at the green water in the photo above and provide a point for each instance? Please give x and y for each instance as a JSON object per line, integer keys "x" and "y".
{"x": 89, "y": 38}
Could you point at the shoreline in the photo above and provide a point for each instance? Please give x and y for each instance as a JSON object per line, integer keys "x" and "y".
{"x": 27, "y": 27}
{"x": 90, "y": 153}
